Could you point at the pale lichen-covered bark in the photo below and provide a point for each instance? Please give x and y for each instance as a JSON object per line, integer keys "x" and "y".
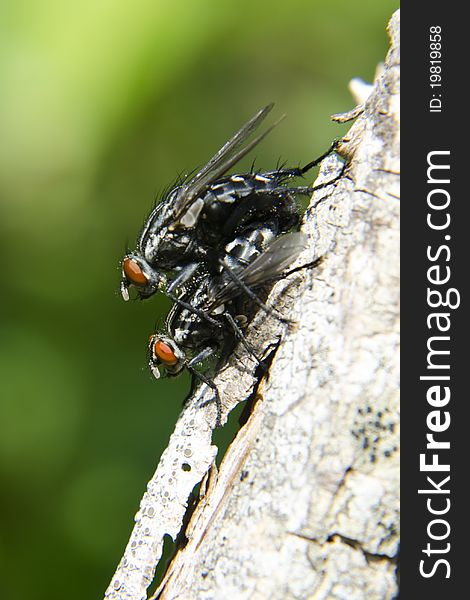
{"x": 305, "y": 504}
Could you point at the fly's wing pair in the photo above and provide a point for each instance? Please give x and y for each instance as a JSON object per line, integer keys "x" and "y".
{"x": 267, "y": 266}
{"x": 230, "y": 153}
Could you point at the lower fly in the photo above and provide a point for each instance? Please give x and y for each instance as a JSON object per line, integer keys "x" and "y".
{"x": 208, "y": 324}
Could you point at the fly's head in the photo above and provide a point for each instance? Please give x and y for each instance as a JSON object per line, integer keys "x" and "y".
{"x": 137, "y": 272}
{"x": 163, "y": 352}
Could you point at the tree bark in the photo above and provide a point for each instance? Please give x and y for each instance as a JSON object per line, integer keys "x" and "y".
{"x": 305, "y": 504}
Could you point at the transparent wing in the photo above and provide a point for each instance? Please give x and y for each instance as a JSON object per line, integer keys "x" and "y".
{"x": 223, "y": 160}
{"x": 268, "y": 265}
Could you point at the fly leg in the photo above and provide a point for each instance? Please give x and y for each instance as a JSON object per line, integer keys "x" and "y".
{"x": 183, "y": 276}
{"x": 300, "y": 171}
{"x": 242, "y": 285}
{"x": 318, "y": 160}
{"x": 241, "y": 337}
{"x": 305, "y": 190}
{"x": 190, "y": 366}
{"x": 200, "y": 313}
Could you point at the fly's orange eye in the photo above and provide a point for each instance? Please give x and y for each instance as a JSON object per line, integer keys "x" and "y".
{"x": 164, "y": 353}
{"x": 133, "y": 272}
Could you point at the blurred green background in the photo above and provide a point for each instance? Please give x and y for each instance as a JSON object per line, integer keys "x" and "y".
{"x": 102, "y": 104}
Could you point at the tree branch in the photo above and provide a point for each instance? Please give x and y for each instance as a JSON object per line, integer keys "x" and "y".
{"x": 305, "y": 504}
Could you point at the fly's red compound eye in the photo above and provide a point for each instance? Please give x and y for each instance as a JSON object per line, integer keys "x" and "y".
{"x": 164, "y": 353}
{"x": 133, "y": 272}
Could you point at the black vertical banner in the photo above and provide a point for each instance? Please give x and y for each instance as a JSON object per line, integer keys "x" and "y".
{"x": 435, "y": 251}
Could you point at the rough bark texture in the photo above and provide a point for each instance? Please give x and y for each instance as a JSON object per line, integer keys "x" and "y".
{"x": 305, "y": 504}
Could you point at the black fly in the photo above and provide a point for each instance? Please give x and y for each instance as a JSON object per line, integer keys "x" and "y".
{"x": 187, "y": 232}
{"x": 211, "y": 241}
{"x": 190, "y": 339}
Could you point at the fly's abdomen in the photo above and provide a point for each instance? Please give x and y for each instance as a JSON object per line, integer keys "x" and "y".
{"x": 246, "y": 247}
{"x": 226, "y": 195}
